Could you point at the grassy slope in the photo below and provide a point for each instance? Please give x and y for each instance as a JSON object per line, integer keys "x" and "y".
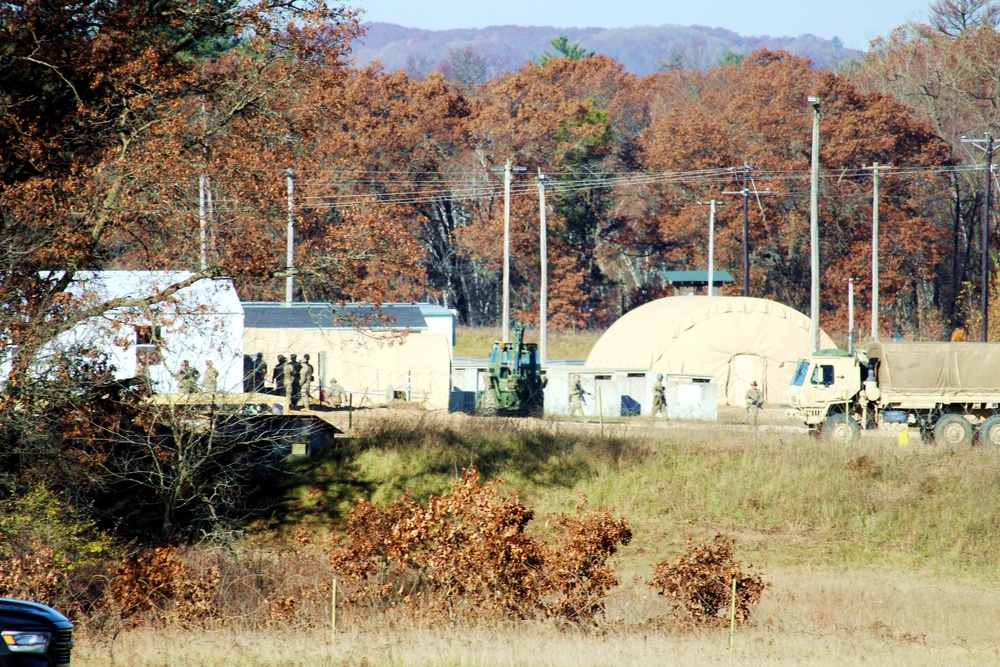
{"x": 877, "y": 554}
{"x": 790, "y": 501}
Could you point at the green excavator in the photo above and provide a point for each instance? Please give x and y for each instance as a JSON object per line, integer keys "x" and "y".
{"x": 515, "y": 381}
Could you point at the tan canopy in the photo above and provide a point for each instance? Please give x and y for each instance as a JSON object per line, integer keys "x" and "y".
{"x": 936, "y": 367}
{"x": 735, "y": 339}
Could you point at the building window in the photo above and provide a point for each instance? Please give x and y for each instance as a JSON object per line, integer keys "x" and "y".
{"x": 147, "y": 345}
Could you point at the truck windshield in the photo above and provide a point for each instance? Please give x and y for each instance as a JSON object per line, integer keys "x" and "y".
{"x": 800, "y": 374}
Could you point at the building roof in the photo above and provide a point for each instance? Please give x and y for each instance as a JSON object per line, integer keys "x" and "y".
{"x": 697, "y": 278}
{"x": 217, "y": 295}
{"x": 278, "y": 315}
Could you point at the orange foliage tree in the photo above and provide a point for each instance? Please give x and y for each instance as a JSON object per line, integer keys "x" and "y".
{"x": 949, "y": 74}
{"x": 756, "y": 113}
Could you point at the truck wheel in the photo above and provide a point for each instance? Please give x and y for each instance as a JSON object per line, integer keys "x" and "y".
{"x": 989, "y": 432}
{"x": 841, "y": 427}
{"x": 953, "y": 431}
{"x": 489, "y": 406}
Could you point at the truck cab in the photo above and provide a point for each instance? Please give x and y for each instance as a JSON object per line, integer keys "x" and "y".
{"x": 824, "y": 387}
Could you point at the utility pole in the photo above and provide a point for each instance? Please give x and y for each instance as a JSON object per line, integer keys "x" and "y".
{"x": 745, "y": 193}
{"x": 202, "y": 223}
{"x": 875, "y": 167}
{"x": 543, "y": 250}
{"x": 814, "y": 102}
{"x": 507, "y": 170}
{"x": 984, "y": 269}
{"x": 290, "y": 248}
{"x": 711, "y": 244}
{"x": 850, "y": 313}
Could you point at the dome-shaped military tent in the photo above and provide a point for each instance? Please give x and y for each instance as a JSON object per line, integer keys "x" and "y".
{"x": 735, "y": 339}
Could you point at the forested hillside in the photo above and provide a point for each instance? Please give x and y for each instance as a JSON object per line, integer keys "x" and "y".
{"x": 641, "y": 50}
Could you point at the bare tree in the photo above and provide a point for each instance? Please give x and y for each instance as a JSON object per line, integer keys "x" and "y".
{"x": 953, "y": 17}
{"x": 468, "y": 66}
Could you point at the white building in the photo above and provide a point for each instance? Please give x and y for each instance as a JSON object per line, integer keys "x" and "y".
{"x": 200, "y": 323}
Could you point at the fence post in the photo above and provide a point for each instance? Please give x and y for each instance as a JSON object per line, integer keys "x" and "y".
{"x": 732, "y": 621}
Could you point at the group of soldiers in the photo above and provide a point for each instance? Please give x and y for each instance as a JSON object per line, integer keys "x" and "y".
{"x": 290, "y": 377}
{"x": 188, "y": 375}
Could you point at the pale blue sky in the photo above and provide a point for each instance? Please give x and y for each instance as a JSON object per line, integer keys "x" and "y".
{"x": 856, "y": 22}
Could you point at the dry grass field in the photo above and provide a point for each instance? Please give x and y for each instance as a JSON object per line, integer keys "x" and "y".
{"x": 812, "y": 616}
{"x": 876, "y": 554}
{"x": 476, "y": 342}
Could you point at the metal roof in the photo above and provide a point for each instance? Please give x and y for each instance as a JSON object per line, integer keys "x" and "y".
{"x": 697, "y": 277}
{"x": 271, "y": 315}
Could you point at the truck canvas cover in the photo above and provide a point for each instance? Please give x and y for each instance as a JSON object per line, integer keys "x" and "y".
{"x": 937, "y": 367}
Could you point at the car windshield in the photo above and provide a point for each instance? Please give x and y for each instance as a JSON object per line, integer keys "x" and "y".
{"x": 800, "y": 374}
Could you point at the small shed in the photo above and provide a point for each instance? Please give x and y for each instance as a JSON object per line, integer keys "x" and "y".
{"x": 687, "y": 283}
{"x": 374, "y": 353}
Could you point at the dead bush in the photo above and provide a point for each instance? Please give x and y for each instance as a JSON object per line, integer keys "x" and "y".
{"x": 156, "y": 586}
{"x": 34, "y": 576}
{"x": 699, "y": 583}
{"x": 466, "y": 553}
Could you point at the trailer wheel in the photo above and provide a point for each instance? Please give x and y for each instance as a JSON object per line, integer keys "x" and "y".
{"x": 841, "y": 427}
{"x": 953, "y": 431}
{"x": 989, "y": 432}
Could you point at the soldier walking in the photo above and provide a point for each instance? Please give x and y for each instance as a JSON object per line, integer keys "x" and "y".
{"x": 305, "y": 380}
{"x": 576, "y": 394}
{"x": 755, "y": 399}
{"x": 659, "y": 398}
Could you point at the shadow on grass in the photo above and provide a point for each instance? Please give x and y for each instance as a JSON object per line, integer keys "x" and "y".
{"x": 420, "y": 458}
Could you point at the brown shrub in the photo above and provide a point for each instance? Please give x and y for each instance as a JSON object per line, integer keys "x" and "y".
{"x": 467, "y": 553}
{"x": 34, "y": 576}
{"x": 699, "y": 582}
{"x": 157, "y": 586}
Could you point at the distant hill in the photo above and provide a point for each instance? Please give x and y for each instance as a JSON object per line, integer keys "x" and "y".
{"x": 642, "y": 50}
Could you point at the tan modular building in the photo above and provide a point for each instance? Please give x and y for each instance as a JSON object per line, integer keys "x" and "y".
{"x": 736, "y": 340}
{"x": 376, "y": 355}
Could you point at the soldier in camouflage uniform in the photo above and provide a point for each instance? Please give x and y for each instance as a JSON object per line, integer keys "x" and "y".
{"x": 755, "y": 399}
{"x": 305, "y": 380}
{"x": 659, "y": 398}
{"x": 187, "y": 378}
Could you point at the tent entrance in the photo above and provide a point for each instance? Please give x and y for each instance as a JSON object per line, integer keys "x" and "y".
{"x": 744, "y": 369}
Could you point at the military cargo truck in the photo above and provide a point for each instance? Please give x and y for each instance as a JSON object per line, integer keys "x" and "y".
{"x": 951, "y": 391}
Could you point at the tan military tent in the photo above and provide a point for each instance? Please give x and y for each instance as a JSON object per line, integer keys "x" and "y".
{"x": 735, "y": 339}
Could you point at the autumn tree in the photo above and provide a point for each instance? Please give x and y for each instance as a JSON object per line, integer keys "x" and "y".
{"x": 755, "y": 113}
{"x": 572, "y": 137}
{"x": 109, "y": 113}
{"x": 952, "y": 82}
{"x": 953, "y": 17}
{"x": 468, "y": 67}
